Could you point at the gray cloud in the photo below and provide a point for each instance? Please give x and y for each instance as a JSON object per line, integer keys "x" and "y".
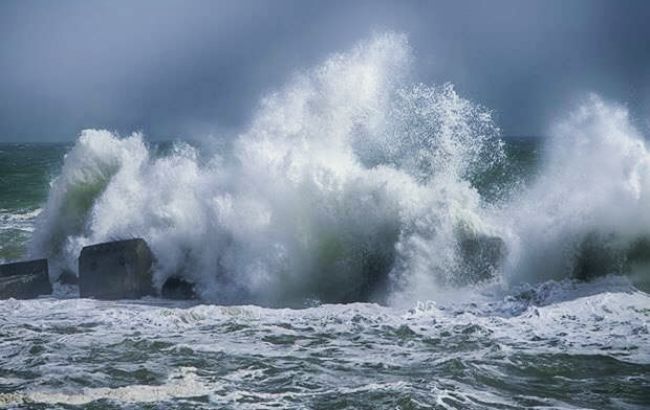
{"x": 182, "y": 69}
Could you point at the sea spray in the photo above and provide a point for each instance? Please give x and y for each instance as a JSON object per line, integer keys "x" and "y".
{"x": 587, "y": 212}
{"x": 351, "y": 183}
{"x": 87, "y": 170}
{"x": 355, "y": 183}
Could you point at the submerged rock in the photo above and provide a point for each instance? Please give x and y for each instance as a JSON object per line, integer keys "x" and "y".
{"x": 24, "y": 280}
{"x": 116, "y": 270}
{"x": 599, "y": 255}
{"x": 595, "y": 256}
{"x": 638, "y": 264}
{"x": 177, "y": 288}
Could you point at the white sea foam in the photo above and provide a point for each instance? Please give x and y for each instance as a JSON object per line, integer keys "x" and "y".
{"x": 21, "y": 220}
{"x": 182, "y": 383}
{"x": 249, "y": 356}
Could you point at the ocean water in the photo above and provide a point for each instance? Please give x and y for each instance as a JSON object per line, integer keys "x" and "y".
{"x": 367, "y": 241}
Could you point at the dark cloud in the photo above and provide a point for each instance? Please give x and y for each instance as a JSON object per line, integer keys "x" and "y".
{"x": 176, "y": 68}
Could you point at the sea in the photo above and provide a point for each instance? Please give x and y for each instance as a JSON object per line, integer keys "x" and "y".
{"x": 366, "y": 241}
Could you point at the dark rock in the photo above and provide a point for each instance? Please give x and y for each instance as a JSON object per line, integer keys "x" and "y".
{"x": 600, "y": 254}
{"x": 639, "y": 253}
{"x": 638, "y": 264}
{"x": 68, "y": 278}
{"x": 596, "y": 256}
{"x": 177, "y": 288}
{"x": 24, "y": 280}
{"x": 116, "y": 270}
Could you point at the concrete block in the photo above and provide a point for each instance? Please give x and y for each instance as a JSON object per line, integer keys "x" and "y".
{"x": 24, "y": 280}
{"x": 116, "y": 270}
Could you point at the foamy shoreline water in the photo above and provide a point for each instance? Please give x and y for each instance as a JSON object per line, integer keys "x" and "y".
{"x": 79, "y": 352}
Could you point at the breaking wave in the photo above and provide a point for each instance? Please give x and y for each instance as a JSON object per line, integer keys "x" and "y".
{"x": 587, "y": 213}
{"x": 356, "y": 183}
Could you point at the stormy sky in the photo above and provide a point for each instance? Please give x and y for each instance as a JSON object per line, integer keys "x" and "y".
{"x": 183, "y": 69}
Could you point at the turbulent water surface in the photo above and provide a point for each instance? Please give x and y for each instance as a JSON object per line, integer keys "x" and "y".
{"x": 367, "y": 241}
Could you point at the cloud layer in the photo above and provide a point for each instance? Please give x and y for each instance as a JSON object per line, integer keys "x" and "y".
{"x": 186, "y": 69}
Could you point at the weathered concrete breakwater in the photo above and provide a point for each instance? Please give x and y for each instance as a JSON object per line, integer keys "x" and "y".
{"x": 123, "y": 269}
{"x": 116, "y": 270}
{"x": 113, "y": 270}
{"x": 24, "y": 280}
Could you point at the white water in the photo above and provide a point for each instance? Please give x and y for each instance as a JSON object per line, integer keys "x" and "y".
{"x": 594, "y": 184}
{"x": 78, "y": 352}
{"x": 352, "y": 183}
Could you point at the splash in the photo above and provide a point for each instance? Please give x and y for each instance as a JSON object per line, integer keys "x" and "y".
{"x": 351, "y": 183}
{"x": 355, "y": 183}
{"x": 587, "y": 213}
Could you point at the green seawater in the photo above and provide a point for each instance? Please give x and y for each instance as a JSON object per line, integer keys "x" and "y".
{"x": 25, "y": 174}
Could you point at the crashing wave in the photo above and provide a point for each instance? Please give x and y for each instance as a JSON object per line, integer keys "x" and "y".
{"x": 356, "y": 183}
